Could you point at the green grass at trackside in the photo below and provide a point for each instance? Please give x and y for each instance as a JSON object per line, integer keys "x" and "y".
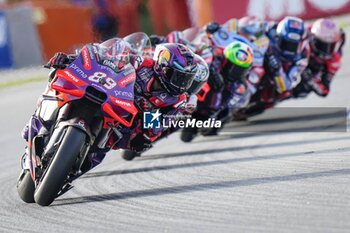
{"x": 344, "y": 24}
{"x": 15, "y": 83}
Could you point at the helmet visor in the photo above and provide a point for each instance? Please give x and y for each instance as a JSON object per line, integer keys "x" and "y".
{"x": 324, "y": 47}
{"x": 179, "y": 80}
{"x": 233, "y": 72}
{"x": 196, "y": 86}
{"x": 288, "y": 46}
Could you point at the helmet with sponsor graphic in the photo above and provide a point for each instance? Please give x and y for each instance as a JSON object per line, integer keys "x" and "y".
{"x": 290, "y": 34}
{"x": 201, "y": 76}
{"x": 175, "y": 66}
{"x": 239, "y": 59}
{"x": 325, "y": 37}
{"x": 251, "y": 27}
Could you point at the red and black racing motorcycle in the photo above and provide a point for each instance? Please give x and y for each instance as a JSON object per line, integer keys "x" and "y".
{"x": 83, "y": 105}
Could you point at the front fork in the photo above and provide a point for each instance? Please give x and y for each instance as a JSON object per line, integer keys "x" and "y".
{"x": 50, "y": 136}
{"x": 32, "y": 160}
{"x": 39, "y": 128}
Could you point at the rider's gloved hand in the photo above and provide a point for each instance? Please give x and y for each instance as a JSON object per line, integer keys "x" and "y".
{"x": 273, "y": 64}
{"x": 143, "y": 104}
{"x": 212, "y": 27}
{"x": 58, "y": 61}
{"x": 216, "y": 81}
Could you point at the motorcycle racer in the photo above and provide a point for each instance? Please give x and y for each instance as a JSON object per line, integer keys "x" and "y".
{"x": 254, "y": 30}
{"x": 228, "y": 86}
{"x": 284, "y": 61}
{"x": 161, "y": 85}
{"x": 287, "y": 55}
{"x": 326, "y": 40}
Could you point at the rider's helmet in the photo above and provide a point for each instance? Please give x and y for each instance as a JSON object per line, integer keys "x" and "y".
{"x": 251, "y": 27}
{"x": 325, "y": 37}
{"x": 176, "y": 67}
{"x": 201, "y": 76}
{"x": 290, "y": 34}
{"x": 239, "y": 59}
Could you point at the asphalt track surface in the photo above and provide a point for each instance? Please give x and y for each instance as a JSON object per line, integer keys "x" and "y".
{"x": 238, "y": 182}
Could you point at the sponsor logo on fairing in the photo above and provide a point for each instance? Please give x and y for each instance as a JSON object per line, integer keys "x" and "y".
{"x": 78, "y": 70}
{"x": 92, "y": 51}
{"x": 123, "y": 103}
{"x": 123, "y": 93}
{"x": 127, "y": 80}
{"x": 71, "y": 76}
{"x": 86, "y": 59}
{"x": 155, "y": 120}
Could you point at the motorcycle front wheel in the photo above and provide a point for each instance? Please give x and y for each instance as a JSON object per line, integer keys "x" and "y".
{"x": 26, "y": 187}
{"x": 57, "y": 171}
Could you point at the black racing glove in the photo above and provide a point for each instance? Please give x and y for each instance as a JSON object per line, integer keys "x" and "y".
{"x": 216, "y": 81}
{"x": 58, "y": 61}
{"x": 212, "y": 27}
{"x": 143, "y": 104}
{"x": 273, "y": 64}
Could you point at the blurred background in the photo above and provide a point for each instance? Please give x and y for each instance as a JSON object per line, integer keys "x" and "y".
{"x": 31, "y": 31}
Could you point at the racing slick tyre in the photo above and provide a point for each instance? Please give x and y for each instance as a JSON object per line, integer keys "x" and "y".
{"x": 57, "y": 171}
{"x": 210, "y": 132}
{"x": 26, "y": 187}
{"x": 129, "y": 155}
{"x": 188, "y": 134}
